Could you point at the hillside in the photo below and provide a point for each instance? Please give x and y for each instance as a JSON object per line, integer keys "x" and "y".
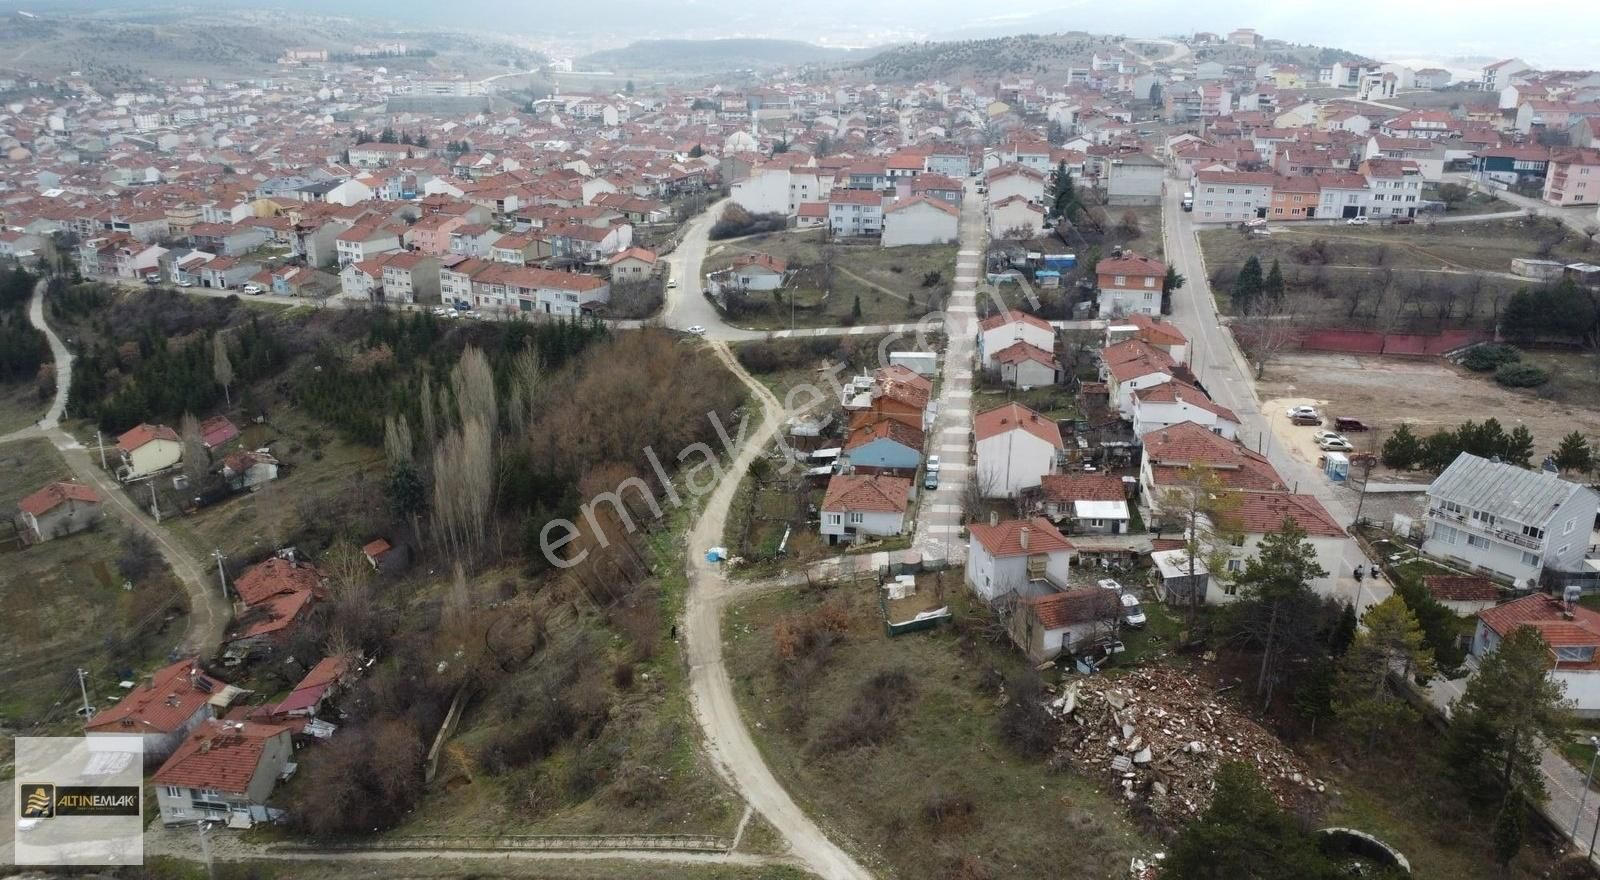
{"x": 123, "y": 45}
{"x": 715, "y": 55}
{"x": 1030, "y": 54}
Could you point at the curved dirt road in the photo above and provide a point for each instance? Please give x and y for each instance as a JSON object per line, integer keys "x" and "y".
{"x": 727, "y": 739}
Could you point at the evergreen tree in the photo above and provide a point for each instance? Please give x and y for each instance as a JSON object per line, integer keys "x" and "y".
{"x": 1248, "y": 286}
{"x": 1518, "y": 448}
{"x": 1507, "y": 831}
{"x": 1574, "y": 454}
{"x": 1245, "y": 834}
{"x": 1065, "y": 204}
{"x": 1343, "y": 632}
{"x": 1169, "y": 284}
{"x": 1392, "y": 642}
{"x": 697, "y": 151}
{"x": 1273, "y": 286}
{"x": 1402, "y": 450}
{"x": 1277, "y": 609}
{"x": 1500, "y": 724}
{"x": 855, "y": 309}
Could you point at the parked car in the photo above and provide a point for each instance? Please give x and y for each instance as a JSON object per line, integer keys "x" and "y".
{"x": 1110, "y": 584}
{"x": 697, "y": 330}
{"x": 1303, "y": 412}
{"x": 1335, "y": 444}
{"x": 933, "y": 463}
{"x": 1404, "y": 221}
{"x": 1132, "y": 611}
{"x": 930, "y": 480}
{"x": 1326, "y": 435}
{"x": 673, "y": 284}
{"x": 251, "y": 290}
{"x": 1356, "y": 221}
{"x": 185, "y": 283}
{"x": 1345, "y": 423}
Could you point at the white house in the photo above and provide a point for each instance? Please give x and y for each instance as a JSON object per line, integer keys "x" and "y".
{"x": 1135, "y": 179}
{"x": 765, "y": 191}
{"x": 1508, "y": 522}
{"x": 1174, "y": 402}
{"x": 858, "y": 506}
{"x": 1572, "y": 632}
{"x": 1015, "y": 217}
{"x": 224, "y": 770}
{"x": 146, "y": 450}
{"x": 1016, "y": 446}
{"x": 1230, "y": 196}
{"x": 758, "y": 272}
{"x": 1132, "y": 366}
{"x": 1000, "y": 331}
{"x": 1015, "y": 180}
{"x": 1028, "y": 557}
{"x": 1023, "y": 365}
{"x": 1257, "y": 514}
{"x": 855, "y": 212}
{"x": 920, "y": 220}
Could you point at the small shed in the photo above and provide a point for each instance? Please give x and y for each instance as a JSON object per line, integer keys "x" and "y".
{"x": 1336, "y": 466}
{"x": 1463, "y": 594}
{"x": 1173, "y": 581}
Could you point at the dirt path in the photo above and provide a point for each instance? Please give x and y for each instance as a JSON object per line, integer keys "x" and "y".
{"x": 208, "y": 610}
{"x": 727, "y": 740}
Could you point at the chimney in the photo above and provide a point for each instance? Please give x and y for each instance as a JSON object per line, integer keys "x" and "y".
{"x": 994, "y": 518}
{"x": 1022, "y": 537}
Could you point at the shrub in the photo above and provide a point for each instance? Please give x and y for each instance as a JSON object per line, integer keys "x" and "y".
{"x": 1520, "y": 375}
{"x": 949, "y": 813}
{"x": 1488, "y": 358}
{"x": 1025, "y": 725}
{"x": 932, "y": 279}
{"x": 873, "y": 717}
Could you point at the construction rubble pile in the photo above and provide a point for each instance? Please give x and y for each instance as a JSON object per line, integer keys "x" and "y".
{"x": 1159, "y": 734}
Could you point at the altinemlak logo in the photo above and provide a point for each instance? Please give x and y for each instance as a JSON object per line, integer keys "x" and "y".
{"x": 45, "y": 801}
{"x": 38, "y": 800}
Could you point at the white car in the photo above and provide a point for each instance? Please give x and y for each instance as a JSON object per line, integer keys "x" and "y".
{"x": 1132, "y": 611}
{"x": 185, "y": 283}
{"x": 1329, "y": 436}
{"x": 251, "y": 290}
{"x": 1334, "y": 444}
{"x": 1356, "y": 221}
{"x": 697, "y": 330}
{"x": 1302, "y": 412}
{"x": 1109, "y": 584}
{"x": 673, "y": 284}
{"x": 933, "y": 464}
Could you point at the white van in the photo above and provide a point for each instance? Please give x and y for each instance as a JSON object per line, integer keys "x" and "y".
{"x": 1188, "y": 200}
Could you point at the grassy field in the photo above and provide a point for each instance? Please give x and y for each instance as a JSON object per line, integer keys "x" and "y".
{"x": 1054, "y": 401}
{"x": 66, "y": 607}
{"x": 1476, "y": 203}
{"x": 886, "y": 802}
{"x": 490, "y": 866}
{"x": 893, "y": 285}
{"x": 20, "y": 406}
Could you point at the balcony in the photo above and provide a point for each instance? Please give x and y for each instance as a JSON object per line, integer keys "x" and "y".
{"x": 1515, "y": 538}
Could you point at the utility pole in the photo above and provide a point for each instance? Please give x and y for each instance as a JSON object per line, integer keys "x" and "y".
{"x": 155, "y": 506}
{"x": 100, "y": 442}
{"x": 83, "y": 689}
{"x": 222, "y": 573}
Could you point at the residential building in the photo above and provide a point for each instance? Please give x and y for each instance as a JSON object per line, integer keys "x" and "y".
{"x": 1016, "y": 447}
{"x": 1131, "y": 366}
{"x": 365, "y": 242}
{"x": 919, "y": 220}
{"x": 855, "y": 212}
{"x": 1135, "y": 179}
{"x": 1086, "y": 504}
{"x": 758, "y": 271}
{"x": 1463, "y": 594}
{"x": 884, "y": 446}
{"x": 1047, "y": 626}
{"x": 1154, "y": 331}
{"x": 1395, "y": 185}
{"x": 247, "y": 469}
{"x": 1295, "y": 198}
{"x": 861, "y": 506}
{"x": 163, "y": 710}
{"x": 1498, "y": 75}
{"x": 1572, "y": 634}
{"x": 1016, "y": 218}
{"x": 411, "y": 277}
{"x": 1174, "y": 402}
{"x": 223, "y": 771}
{"x": 1508, "y": 522}
{"x": 1001, "y": 331}
{"x": 633, "y": 264}
{"x": 1130, "y": 283}
{"x": 1573, "y": 177}
{"x": 1170, "y": 453}
{"x": 1023, "y": 365}
{"x": 1231, "y": 196}
{"x": 146, "y": 450}
{"x": 57, "y": 510}
{"x": 1015, "y": 180}
{"x": 1025, "y": 557}
{"x": 546, "y": 291}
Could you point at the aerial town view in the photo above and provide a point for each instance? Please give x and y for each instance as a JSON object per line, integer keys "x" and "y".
{"x": 745, "y": 441}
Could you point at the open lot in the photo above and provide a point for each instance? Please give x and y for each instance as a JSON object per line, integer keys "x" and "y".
{"x": 1416, "y": 277}
{"x": 19, "y": 406}
{"x": 942, "y": 785}
{"x": 894, "y": 285}
{"x": 66, "y": 606}
{"x": 1426, "y": 393}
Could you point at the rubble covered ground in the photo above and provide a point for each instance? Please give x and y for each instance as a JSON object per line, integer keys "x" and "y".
{"x": 1157, "y": 735}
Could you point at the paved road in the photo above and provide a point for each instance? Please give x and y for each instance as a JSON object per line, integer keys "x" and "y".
{"x": 938, "y": 533}
{"x": 208, "y": 611}
{"x": 1224, "y": 372}
{"x": 1579, "y": 220}
{"x": 727, "y": 740}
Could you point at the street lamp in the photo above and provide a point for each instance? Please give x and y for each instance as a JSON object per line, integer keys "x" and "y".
{"x": 1595, "y": 742}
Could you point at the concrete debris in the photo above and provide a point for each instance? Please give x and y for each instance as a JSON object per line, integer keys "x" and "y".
{"x": 1158, "y": 734}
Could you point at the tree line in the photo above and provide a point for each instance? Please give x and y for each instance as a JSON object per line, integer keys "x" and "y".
{"x": 1404, "y": 450}
{"x": 23, "y": 349}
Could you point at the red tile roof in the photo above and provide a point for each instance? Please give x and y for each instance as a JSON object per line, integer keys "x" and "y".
{"x": 940, "y": 204}
{"x": 1182, "y": 392}
{"x": 864, "y": 493}
{"x": 1460, "y": 588}
{"x": 1066, "y": 488}
{"x": 161, "y": 705}
{"x": 1061, "y": 610}
{"x": 276, "y": 576}
{"x": 1262, "y": 512}
{"x": 1015, "y": 317}
{"x": 1005, "y": 539}
{"x": 1131, "y": 263}
{"x": 855, "y": 197}
{"x": 216, "y": 431}
{"x": 1019, "y": 351}
{"x": 885, "y": 428}
{"x": 1172, "y": 449}
{"x": 141, "y": 434}
{"x": 310, "y": 690}
{"x": 224, "y": 755}
{"x": 763, "y": 261}
{"x": 1155, "y": 331}
{"x": 48, "y": 498}
{"x": 1548, "y": 615}
{"x": 1013, "y": 416}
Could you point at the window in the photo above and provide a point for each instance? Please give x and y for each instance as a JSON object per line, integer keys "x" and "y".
{"x": 172, "y": 791}
{"x": 1235, "y": 565}
{"x": 834, "y": 519}
{"x": 1483, "y": 516}
{"x": 1120, "y": 281}
{"x": 1450, "y": 506}
{"x": 1575, "y": 654}
{"x": 1150, "y": 282}
{"x": 1562, "y": 551}
{"x": 1567, "y": 529}
{"x": 1095, "y": 523}
{"x": 857, "y": 519}
{"x": 1478, "y": 541}
{"x": 1533, "y": 532}
{"x": 1529, "y": 559}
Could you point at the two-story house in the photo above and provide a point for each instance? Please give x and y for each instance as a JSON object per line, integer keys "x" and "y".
{"x": 223, "y": 771}
{"x": 163, "y": 710}
{"x": 1016, "y": 447}
{"x": 1027, "y": 557}
{"x": 859, "y": 506}
{"x": 1508, "y": 522}
{"x": 855, "y": 212}
{"x": 1130, "y": 283}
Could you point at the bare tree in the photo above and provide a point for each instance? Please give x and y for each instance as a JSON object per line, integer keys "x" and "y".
{"x": 397, "y": 439}
{"x": 221, "y": 367}
{"x": 430, "y": 417}
{"x": 463, "y": 488}
{"x": 527, "y": 381}
{"x": 1208, "y": 514}
{"x": 472, "y": 384}
{"x": 1265, "y": 335}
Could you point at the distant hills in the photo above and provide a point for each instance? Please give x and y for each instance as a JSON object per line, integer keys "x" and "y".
{"x": 712, "y": 56}
{"x": 1027, "y": 54}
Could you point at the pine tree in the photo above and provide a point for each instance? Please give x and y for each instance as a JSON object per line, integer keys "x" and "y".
{"x": 1391, "y": 642}
{"x": 1507, "y": 831}
{"x": 1501, "y": 722}
{"x": 1273, "y": 286}
{"x": 1518, "y": 446}
{"x": 1248, "y": 286}
{"x": 855, "y": 309}
{"x": 1244, "y": 833}
{"x": 1276, "y": 607}
{"x": 221, "y": 367}
{"x": 1343, "y": 632}
{"x": 1171, "y": 283}
{"x": 1574, "y": 454}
